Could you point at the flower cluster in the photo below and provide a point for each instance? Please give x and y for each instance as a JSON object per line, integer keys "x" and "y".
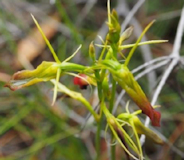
{"x": 97, "y": 74}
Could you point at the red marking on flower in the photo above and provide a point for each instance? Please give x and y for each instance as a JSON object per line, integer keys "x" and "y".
{"x": 147, "y": 109}
{"x": 156, "y": 118}
{"x": 80, "y": 81}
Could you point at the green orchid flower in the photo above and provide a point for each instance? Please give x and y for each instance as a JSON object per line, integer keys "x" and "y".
{"x": 129, "y": 122}
{"x": 126, "y": 80}
{"x": 46, "y": 71}
{"x": 121, "y": 135}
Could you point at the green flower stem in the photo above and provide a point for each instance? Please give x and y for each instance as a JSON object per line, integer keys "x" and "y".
{"x": 97, "y": 137}
{"x": 113, "y": 147}
{"x": 99, "y": 128}
{"x": 89, "y": 107}
{"x": 112, "y": 95}
{"x": 108, "y": 115}
{"x": 100, "y": 122}
{"x": 99, "y": 85}
{"x": 113, "y": 151}
{"x": 113, "y": 92}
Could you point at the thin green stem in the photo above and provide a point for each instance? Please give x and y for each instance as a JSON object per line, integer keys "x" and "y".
{"x": 112, "y": 95}
{"x": 99, "y": 85}
{"x": 113, "y": 151}
{"x": 100, "y": 122}
{"x": 108, "y": 115}
{"x": 90, "y": 108}
{"x": 98, "y": 138}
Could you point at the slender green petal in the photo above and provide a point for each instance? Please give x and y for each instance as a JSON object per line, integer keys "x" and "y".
{"x": 136, "y": 44}
{"x": 142, "y": 43}
{"x": 122, "y": 145}
{"x": 78, "y": 96}
{"x": 46, "y": 40}
{"x": 69, "y": 58}
{"x": 109, "y": 11}
{"x": 56, "y": 85}
{"x": 137, "y": 139}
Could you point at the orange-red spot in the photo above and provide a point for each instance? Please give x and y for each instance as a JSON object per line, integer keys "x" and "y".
{"x": 80, "y": 81}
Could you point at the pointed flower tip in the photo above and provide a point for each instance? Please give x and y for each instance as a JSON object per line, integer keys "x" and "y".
{"x": 10, "y": 87}
{"x": 33, "y": 17}
{"x": 154, "y": 115}
{"x": 15, "y": 82}
{"x": 153, "y": 21}
{"x": 156, "y": 118}
{"x": 52, "y": 104}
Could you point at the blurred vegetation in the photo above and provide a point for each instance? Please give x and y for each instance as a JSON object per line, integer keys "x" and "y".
{"x": 30, "y": 128}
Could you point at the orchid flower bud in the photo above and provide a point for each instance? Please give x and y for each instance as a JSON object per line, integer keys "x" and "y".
{"x": 121, "y": 135}
{"x": 114, "y": 28}
{"x": 126, "y": 34}
{"x": 92, "y": 52}
{"x": 127, "y": 81}
{"x": 141, "y": 129}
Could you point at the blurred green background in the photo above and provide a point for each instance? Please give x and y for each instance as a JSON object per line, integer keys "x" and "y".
{"x": 32, "y": 129}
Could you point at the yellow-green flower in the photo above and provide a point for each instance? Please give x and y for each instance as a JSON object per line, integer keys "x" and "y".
{"x": 44, "y": 72}
{"x": 126, "y": 80}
